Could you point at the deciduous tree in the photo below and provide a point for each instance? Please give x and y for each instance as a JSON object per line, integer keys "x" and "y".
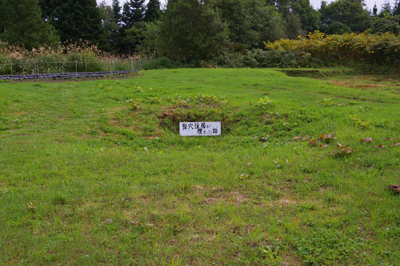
{"x": 249, "y": 23}
{"x": 190, "y": 30}
{"x": 344, "y": 16}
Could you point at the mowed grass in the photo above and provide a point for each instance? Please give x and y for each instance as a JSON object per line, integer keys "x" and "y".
{"x": 95, "y": 172}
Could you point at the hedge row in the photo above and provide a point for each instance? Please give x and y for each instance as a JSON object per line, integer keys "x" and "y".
{"x": 346, "y": 49}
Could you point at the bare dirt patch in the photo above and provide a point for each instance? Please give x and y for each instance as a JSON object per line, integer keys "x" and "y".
{"x": 367, "y": 82}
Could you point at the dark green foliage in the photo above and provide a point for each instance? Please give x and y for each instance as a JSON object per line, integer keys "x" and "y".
{"x": 250, "y": 22}
{"x": 386, "y": 10}
{"x": 152, "y": 46}
{"x": 192, "y": 31}
{"x": 132, "y": 16}
{"x": 389, "y": 24}
{"x": 344, "y": 16}
{"x": 110, "y": 27}
{"x": 375, "y": 11}
{"x": 116, "y": 9}
{"x": 291, "y": 10}
{"x": 396, "y": 8}
{"x": 74, "y": 20}
{"x": 309, "y": 17}
{"x": 2, "y": 16}
{"x": 23, "y": 25}
{"x": 153, "y": 11}
{"x": 294, "y": 27}
{"x": 134, "y": 36}
{"x": 133, "y": 11}
{"x": 281, "y": 59}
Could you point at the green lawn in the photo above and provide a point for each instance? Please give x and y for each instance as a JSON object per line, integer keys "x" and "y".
{"x": 95, "y": 172}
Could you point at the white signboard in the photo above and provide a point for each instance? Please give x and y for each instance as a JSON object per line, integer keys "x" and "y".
{"x": 200, "y": 128}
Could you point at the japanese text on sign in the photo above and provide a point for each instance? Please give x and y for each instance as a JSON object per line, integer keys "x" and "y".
{"x": 200, "y": 128}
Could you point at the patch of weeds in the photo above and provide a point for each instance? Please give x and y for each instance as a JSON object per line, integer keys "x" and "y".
{"x": 149, "y": 128}
{"x": 31, "y": 207}
{"x": 246, "y": 175}
{"x": 325, "y": 138}
{"x": 105, "y": 88}
{"x": 201, "y": 99}
{"x": 142, "y": 227}
{"x": 269, "y": 252}
{"x": 138, "y": 89}
{"x": 343, "y": 150}
{"x": 178, "y": 100}
{"x": 283, "y": 126}
{"x": 265, "y": 103}
{"x": 330, "y": 198}
{"x": 174, "y": 229}
{"x": 307, "y": 169}
{"x": 271, "y": 193}
{"x": 327, "y": 102}
{"x": 280, "y": 163}
{"x": 358, "y": 122}
{"x": 136, "y": 104}
{"x": 367, "y": 140}
{"x": 382, "y": 124}
{"x": 306, "y": 207}
{"x": 372, "y": 161}
{"x": 394, "y": 143}
{"x": 325, "y": 245}
{"x": 155, "y": 100}
{"x": 59, "y": 200}
{"x": 363, "y": 108}
{"x": 210, "y": 99}
{"x": 307, "y": 115}
{"x": 183, "y": 188}
{"x": 121, "y": 131}
{"x": 94, "y": 132}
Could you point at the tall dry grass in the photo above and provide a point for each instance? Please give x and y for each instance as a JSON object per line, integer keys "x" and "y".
{"x": 71, "y": 57}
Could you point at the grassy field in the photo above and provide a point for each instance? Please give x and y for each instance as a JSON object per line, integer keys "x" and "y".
{"x": 95, "y": 172}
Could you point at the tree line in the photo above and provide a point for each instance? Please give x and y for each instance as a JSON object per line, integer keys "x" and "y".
{"x": 190, "y": 29}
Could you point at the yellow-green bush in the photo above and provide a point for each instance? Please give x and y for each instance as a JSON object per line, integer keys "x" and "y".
{"x": 346, "y": 49}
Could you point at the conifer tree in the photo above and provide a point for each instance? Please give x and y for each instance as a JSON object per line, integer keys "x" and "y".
{"x": 117, "y": 33}
{"x": 133, "y": 11}
{"x": 116, "y": 9}
{"x": 153, "y": 11}
{"x": 132, "y": 19}
{"x": 386, "y": 9}
{"x": 74, "y": 20}
{"x": 375, "y": 11}
{"x": 24, "y": 26}
{"x": 2, "y": 16}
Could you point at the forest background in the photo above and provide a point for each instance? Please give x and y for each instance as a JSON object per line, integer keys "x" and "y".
{"x": 283, "y": 33}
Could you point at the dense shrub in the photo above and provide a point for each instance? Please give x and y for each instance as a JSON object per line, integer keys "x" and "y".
{"x": 387, "y": 24}
{"x": 346, "y": 49}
